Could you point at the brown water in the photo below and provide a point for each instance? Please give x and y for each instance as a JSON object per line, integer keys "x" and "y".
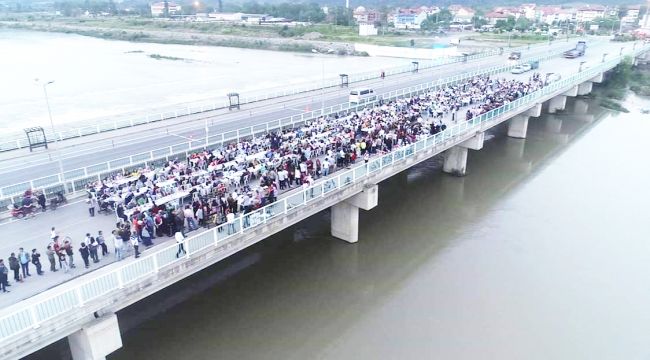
{"x": 541, "y": 252}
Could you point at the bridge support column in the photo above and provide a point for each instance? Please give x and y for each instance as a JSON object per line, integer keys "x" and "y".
{"x": 580, "y": 107}
{"x": 573, "y": 92}
{"x": 345, "y": 215}
{"x": 96, "y": 340}
{"x": 517, "y": 126}
{"x": 535, "y": 111}
{"x": 557, "y": 103}
{"x": 553, "y": 125}
{"x": 598, "y": 78}
{"x": 585, "y": 88}
{"x": 456, "y": 157}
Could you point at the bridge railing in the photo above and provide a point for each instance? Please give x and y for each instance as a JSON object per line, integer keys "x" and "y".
{"x": 75, "y": 180}
{"x": 97, "y": 126}
{"x": 85, "y": 295}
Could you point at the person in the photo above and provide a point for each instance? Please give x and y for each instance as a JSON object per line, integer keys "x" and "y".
{"x": 36, "y": 260}
{"x": 146, "y": 237}
{"x": 52, "y": 234}
{"x": 67, "y": 247}
{"x": 92, "y": 246}
{"x": 13, "y": 265}
{"x": 41, "y": 200}
{"x": 179, "y": 240}
{"x": 50, "y": 256}
{"x": 4, "y": 272}
{"x": 102, "y": 242}
{"x": 118, "y": 244}
{"x": 57, "y": 250}
{"x": 24, "y": 259}
{"x": 136, "y": 246}
{"x": 92, "y": 203}
{"x": 85, "y": 254}
{"x": 230, "y": 219}
{"x": 189, "y": 217}
{"x": 62, "y": 262}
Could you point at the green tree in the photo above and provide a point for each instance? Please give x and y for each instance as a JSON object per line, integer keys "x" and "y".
{"x": 522, "y": 24}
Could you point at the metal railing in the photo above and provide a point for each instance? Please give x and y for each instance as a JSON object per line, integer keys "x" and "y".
{"x": 103, "y": 125}
{"x": 89, "y": 289}
{"x": 75, "y": 180}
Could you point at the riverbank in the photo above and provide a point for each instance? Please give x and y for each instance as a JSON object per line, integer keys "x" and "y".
{"x": 330, "y": 39}
{"x": 623, "y": 79}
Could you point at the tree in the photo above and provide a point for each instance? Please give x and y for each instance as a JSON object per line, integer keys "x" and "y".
{"x": 522, "y": 24}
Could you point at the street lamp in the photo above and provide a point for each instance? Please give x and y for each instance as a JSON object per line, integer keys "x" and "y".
{"x": 581, "y": 63}
{"x": 604, "y": 55}
{"x": 49, "y": 113}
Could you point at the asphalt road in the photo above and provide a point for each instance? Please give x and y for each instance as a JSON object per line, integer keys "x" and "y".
{"x": 111, "y": 146}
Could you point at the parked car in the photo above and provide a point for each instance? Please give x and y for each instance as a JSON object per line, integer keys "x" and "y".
{"x": 520, "y": 69}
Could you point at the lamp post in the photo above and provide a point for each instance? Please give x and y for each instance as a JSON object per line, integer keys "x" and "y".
{"x": 56, "y": 140}
{"x": 580, "y": 68}
{"x": 604, "y": 55}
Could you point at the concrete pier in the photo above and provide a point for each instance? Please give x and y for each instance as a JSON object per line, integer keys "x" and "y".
{"x": 580, "y": 107}
{"x": 517, "y": 126}
{"x": 456, "y": 157}
{"x": 345, "y": 215}
{"x": 96, "y": 340}
{"x": 585, "y": 88}
{"x": 556, "y": 103}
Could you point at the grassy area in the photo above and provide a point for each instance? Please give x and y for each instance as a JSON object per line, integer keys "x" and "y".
{"x": 163, "y": 57}
{"x": 622, "y": 79}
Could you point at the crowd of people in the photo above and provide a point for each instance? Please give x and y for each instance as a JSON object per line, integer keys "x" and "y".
{"x": 215, "y": 186}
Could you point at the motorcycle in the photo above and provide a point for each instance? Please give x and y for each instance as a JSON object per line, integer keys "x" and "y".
{"x": 20, "y": 212}
{"x": 58, "y": 200}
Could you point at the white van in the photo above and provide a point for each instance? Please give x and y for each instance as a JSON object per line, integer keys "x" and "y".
{"x": 360, "y": 96}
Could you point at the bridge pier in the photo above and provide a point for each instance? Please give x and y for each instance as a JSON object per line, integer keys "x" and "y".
{"x": 456, "y": 157}
{"x": 556, "y": 103}
{"x": 585, "y": 88}
{"x": 517, "y": 126}
{"x": 345, "y": 215}
{"x": 553, "y": 125}
{"x": 96, "y": 340}
{"x": 580, "y": 107}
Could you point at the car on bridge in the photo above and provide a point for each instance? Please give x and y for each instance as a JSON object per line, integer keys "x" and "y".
{"x": 522, "y": 68}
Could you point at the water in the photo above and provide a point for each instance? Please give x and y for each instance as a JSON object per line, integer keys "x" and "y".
{"x": 96, "y": 78}
{"x": 541, "y": 252}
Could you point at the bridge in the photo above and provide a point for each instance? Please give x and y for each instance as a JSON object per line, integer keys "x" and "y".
{"x": 84, "y": 310}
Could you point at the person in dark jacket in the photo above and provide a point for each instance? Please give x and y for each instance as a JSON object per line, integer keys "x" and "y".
{"x": 42, "y": 201}
{"x": 36, "y": 260}
{"x": 85, "y": 254}
{"x": 3, "y": 276}
{"x": 15, "y": 266}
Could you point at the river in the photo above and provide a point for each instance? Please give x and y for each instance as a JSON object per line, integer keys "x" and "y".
{"x": 541, "y": 252}
{"x": 97, "y": 78}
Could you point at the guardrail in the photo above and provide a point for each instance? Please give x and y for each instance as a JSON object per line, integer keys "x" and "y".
{"x": 55, "y": 305}
{"x": 75, "y": 180}
{"x": 103, "y": 125}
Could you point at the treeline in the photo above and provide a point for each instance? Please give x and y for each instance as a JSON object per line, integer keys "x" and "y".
{"x": 295, "y": 11}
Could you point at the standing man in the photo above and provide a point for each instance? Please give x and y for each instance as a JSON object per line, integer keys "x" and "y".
{"x": 36, "y": 260}
{"x": 41, "y": 200}
{"x": 85, "y": 254}
{"x": 102, "y": 242}
{"x": 67, "y": 246}
{"x": 135, "y": 244}
{"x": 179, "y": 240}
{"x": 23, "y": 257}
{"x": 50, "y": 256}
{"x": 92, "y": 203}
{"x": 93, "y": 245}
{"x": 3, "y": 276}
{"x": 117, "y": 243}
{"x": 13, "y": 265}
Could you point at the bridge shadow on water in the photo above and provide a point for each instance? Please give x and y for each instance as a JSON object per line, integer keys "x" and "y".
{"x": 293, "y": 294}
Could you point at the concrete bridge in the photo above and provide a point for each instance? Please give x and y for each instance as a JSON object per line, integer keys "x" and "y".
{"x": 84, "y": 310}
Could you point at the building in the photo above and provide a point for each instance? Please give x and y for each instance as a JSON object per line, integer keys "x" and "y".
{"x": 632, "y": 15}
{"x": 158, "y": 9}
{"x": 363, "y": 16}
{"x": 555, "y": 15}
{"x": 367, "y": 30}
{"x": 528, "y": 11}
{"x": 242, "y": 18}
{"x": 494, "y": 16}
{"x": 590, "y": 13}
{"x": 461, "y": 13}
{"x": 413, "y": 18}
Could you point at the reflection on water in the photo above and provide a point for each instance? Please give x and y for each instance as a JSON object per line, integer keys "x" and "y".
{"x": 541, "y": 252}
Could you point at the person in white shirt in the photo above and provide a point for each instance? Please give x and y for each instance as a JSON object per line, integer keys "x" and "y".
{"x": 135, "y": 244}
{"x": 230, "y": 219}
{"x": 118, "y": 244}
{"x": 179, "y": 240}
